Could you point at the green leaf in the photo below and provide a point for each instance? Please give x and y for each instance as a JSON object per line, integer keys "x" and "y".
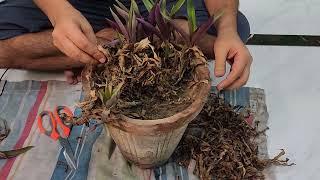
{"x": 148, "y": 4}
{"x": 108, "y": 91}
{"x": 101, "y": 96}
{"x": 134, "y": 28}
{"x": 191, "y": 16}
{"x": 132, "y": 22}
{"x": 14, "y": 153}
{"x": 163, "y": 8}
{"x": 176, "y": 7}
{"x": 129, "y": 23}
{"x": 123, "y": 7}
{"x": 135, "y": 7}
{"x": 117, "y": 89}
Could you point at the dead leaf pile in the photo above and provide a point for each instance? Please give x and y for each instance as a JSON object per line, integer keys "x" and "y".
{"x": 223, "y": 145}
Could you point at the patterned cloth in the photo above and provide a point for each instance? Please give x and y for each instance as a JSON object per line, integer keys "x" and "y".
{"x": 20, "y": 104}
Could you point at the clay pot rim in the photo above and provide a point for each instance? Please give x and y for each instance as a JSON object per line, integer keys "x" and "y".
{"x": 177, "y": 120}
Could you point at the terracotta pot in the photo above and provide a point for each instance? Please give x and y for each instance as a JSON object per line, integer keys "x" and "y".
{"x": 149, "y": 143}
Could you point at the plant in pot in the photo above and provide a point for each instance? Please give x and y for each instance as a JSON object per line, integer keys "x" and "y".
{"x": 155, "y": 81}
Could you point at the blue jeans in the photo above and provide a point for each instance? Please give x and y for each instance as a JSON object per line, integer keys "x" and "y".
{"x": 18, "y": 17}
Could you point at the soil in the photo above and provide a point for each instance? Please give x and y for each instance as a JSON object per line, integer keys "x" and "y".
{"x": 156, "y": 110}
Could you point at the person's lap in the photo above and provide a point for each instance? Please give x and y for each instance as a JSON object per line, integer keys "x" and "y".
{"x": 19, "y": 17}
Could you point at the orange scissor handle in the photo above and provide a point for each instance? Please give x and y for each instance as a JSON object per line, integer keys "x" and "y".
{"x": 53, "y": 132}
{"x": 58, "y": 111}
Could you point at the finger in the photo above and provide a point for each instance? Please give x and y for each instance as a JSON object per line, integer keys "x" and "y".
{"x": 220, "y": 62}
{"x": 82, "y": 42}
{"x": 237, "y": 69}
{"x": 241, "y": 81}
{"x": 71, "y": 50}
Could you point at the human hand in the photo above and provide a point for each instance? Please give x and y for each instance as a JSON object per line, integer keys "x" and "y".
{"x": 228, "y": 47}
{"x": 74, "y": 36}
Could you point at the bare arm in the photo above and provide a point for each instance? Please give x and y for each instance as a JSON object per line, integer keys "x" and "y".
{"x": 72, "y": 33}
{"x": 228, "y": 46}
{"x": 228, "y": 22}
{"x": 53, "y": 8}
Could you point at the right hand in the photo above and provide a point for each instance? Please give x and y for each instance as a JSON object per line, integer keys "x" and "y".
{"x": 74, "y": 36}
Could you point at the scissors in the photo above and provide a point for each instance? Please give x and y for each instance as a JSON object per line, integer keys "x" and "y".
{"x": 58, "y": 118}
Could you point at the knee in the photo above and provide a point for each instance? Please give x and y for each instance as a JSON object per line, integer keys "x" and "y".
{"x": 183, "y": 24}
{"x": 243, "y": 27}
{"x": 7, "y": 59}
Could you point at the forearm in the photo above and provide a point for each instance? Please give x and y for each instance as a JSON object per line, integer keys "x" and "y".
{"x": 228, "y": 21}
{"x": 53, "y": 8}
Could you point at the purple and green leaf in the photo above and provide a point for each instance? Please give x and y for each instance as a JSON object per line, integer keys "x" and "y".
{"x": 134, "y": 28}
{"x": 140, "y": 32}
{"x": 122, "y": 6}
{"x": 122, "y": 13}
{"x": 122, "y": 28}
{"x": 162, "y": 25}
{"x": 132, "y": 23}
{"x": 113, "y": 25}
{"x": 152, "y": 16}
{"x": 149, "y": 27}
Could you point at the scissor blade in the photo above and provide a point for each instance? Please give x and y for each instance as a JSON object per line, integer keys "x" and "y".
{"x": 112, "y": 147}
{"x": 69, "y": 160}
{"x": 68, "y": 153}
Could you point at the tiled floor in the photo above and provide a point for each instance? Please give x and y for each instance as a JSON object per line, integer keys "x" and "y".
{"x": 283, "y": 16}
{"x": 290, "y": 77}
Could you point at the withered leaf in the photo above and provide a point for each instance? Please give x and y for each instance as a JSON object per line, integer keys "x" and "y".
{"x": 14, "y": 153}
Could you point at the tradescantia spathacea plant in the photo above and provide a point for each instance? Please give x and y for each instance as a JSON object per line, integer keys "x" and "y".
{"x": 150, "y": 63}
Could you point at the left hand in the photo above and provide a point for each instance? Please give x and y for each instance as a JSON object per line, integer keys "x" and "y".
{"x": 229, "y": 47}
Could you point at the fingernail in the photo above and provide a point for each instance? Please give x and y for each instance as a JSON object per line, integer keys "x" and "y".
{"x": 102, "y": 60}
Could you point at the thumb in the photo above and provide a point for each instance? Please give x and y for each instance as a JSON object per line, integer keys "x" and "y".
{"x": 220, "y": 60}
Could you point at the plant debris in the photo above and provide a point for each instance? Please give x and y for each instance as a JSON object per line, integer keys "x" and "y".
{"x": 223, "y": 145}
{"x": 152, "y": 84}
